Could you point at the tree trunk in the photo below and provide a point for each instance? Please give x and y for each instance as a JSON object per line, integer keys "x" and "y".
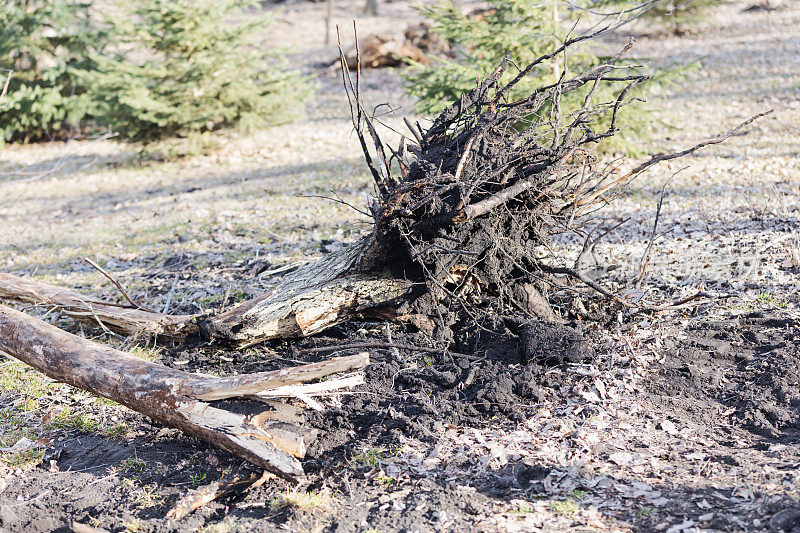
{"x": 338, "y": 287}
{"x": 121, "y": 318}
{"x": 170, "y": 396}
{"x": 312, "y": 298}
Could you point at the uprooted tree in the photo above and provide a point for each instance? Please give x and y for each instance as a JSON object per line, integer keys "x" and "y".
{"x": 462, "y": 214}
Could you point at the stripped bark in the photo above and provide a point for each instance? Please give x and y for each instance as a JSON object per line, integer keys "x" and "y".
{"x": 73, "y": 304}
{"x": 171, "y": 396}
{"x": 315, "y": 297}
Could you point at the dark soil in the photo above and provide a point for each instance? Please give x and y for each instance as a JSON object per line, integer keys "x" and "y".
{"x": 416, "y": 394}
{"x": 746, "y": 367}
{"x": 736, "y": 385}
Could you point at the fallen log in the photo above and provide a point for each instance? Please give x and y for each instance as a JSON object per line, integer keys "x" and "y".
{"x": 120, "y": 318}
{"x": 315, "y": 297}
{"x": 172, "y": 397}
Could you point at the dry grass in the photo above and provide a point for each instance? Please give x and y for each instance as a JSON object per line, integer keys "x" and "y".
{"x": 304, "y": 501}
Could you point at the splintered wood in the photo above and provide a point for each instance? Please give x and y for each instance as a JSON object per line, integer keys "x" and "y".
{"x": 271, "y": 439}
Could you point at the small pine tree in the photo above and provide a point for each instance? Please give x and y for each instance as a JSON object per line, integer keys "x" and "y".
{"x": 525, "y": 29}
{"x": 190, "y": 66}
{"x": 48, "y": 44}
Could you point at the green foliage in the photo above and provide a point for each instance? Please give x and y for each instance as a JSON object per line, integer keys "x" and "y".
{"x": 188, "y": 66}
{"x": 47, "y": 43}
{"x": 514, "y": 27}
{"x": 526, "y": 30}
{"x": 674, "y": 14}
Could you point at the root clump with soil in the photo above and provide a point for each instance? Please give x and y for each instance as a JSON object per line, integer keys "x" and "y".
{"x": 464, "y": 215}
{"x": 467, "y": 210}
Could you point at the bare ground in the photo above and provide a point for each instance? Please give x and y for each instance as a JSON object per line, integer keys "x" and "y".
{"x": 682, "y": 421}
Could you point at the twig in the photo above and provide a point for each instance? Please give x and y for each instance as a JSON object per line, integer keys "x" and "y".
{"x": 225, "y": 298}
{"x": 94, "y": 315}
{"x": 7, "y": 82}
{"x": 382, "y": 344}
{"x": 592, "y": 284}
{"x": 692, "y": 301}
{"x": 272, "y": 234}
{"x": 414, "y": 131}
{"x": 667, "y": 157}
{"x": 117, "y": 285}
{"x": 283, "y": 269}
{"x": 170, "y": 294}
{"x": 643, "y": 264}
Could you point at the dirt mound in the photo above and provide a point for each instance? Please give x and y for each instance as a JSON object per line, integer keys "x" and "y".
{"x": 417, "y": 394}
{"x": 747, "y": 368}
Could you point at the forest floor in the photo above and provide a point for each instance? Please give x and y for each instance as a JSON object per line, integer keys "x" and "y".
{"x": 682, "y": 421}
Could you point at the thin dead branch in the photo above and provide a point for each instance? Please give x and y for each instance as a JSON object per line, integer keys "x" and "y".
{"x": 218, "y": 490}
{"x": 117, "y": 284}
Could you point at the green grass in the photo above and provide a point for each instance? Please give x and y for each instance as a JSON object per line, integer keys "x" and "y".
{"x": 369, "y": 457}
{"x": 27, "y": 384}
{"x": 764, "y": 299}
{"x": 644, "y": 512}
{"x": 578, "y": 494}
{"x": 303, "y": 501}
{"x": 21, "y": 459}
{"x": 148, "y": 354}
{"x": 67, "y": 419}
{"x": 386, "y": 480}
{"x": 143, "y": 496}
{"x": 566, "y": 507}
{"x": 133, "y": 466}
{"x": 197, "y": 479}
{"x": 99, "y": 400}
{"x": 133, "y": 527}
{"x": 117, "y": 431}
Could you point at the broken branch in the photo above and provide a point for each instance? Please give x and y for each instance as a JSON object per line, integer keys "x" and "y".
{"x": 164, "y": 394}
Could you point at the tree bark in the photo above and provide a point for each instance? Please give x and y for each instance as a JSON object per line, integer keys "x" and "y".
{"x": 170, "y": 396}
{"x": 94, "y": 311}
{"x": 338, "y": 287}
{"x": 314, "y": 297}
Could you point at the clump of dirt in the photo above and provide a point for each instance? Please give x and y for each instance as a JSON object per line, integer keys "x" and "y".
{"x": 489, "y": 374}
{"x": 747, "y": 368}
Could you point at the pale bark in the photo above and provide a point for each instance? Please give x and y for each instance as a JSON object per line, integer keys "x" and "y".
{"x": 313, "y": 298}
{"x": 171, "y": 396}
{"x": 214, "y": 491}
{"x": 94, "y": 311}
{"x": 339, "y": 287}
